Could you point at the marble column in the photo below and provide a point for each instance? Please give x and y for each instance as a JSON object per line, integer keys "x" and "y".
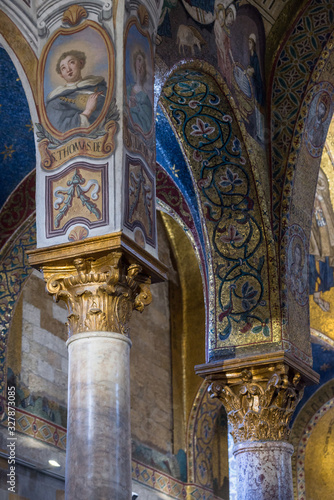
{"x": 264, "y": 470}
{"x": 98, "y": 451}
{"x": 260, "y": 394}
{"x": 100, "y": 290}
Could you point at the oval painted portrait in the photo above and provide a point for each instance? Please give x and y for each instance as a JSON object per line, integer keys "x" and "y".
{"x": 77, "y": 68}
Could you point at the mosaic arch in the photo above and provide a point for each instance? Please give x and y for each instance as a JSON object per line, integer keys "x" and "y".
{"x": 234, "y": 215}
{"x": 207, "y": 444}
{"x": 315, "y": 454}
{"x": 302, "y": 168}
{"x": 295, "y": 71}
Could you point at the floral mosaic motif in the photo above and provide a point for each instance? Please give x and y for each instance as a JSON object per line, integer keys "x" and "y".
{"x": 209, "y": 135}
{"x": 14, "y": 270}
{"x": 294, "y": 65}
{"x": 18, "y": 207}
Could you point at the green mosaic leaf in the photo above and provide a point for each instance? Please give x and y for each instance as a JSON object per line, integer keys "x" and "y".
{"x": 266, "y": 331}
{"x": 257, "y": 329}
{"x": 314, "y": 42}
{"x": 308, "y": 23}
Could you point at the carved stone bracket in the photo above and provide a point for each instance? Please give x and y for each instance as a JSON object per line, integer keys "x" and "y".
{"x": 100, "y": 294}
{"x": 259, "y": 399}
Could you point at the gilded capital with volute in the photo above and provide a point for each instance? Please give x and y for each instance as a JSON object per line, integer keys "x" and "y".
{"x": 259, "y": 401}
{"x": 100, "y": 293}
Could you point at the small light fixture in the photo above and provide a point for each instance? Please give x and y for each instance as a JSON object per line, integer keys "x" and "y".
{"x": 54, "y": 463}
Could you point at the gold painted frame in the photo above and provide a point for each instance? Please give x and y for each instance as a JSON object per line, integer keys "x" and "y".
{"x": 63, "y": 136}
{"x": 133, "y": 21}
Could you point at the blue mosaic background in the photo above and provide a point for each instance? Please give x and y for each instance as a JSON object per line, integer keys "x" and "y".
{"x": 170, "y": 157}
{"x": 17, "y": 147}
{"x": 323, "y": 363}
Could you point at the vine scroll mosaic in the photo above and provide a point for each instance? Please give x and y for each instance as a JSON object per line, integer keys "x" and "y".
{"x": 213, "y": 144}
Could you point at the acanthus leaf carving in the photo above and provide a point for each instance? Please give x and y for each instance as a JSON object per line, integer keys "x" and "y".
{"x": 100, "y": 294}
{"x": 260, "y": 403}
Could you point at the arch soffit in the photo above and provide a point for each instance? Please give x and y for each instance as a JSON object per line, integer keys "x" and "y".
{"x": 308, "y": 417}
{"x": 302, "y": 152}
{"x": 295, "y": 70}
{"x": 195, "y": 117}
{"x": 214, "y": 80}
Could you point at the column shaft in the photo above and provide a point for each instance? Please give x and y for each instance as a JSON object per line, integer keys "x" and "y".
{"x": 264, "y": 470}
{"x": 98, "y": 454}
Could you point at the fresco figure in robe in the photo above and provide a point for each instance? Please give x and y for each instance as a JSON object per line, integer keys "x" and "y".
{"x": 254, "y": 72}
{"x": 138, "y": 100}
{"x": 164, "y": 26}
{"x": 297, "y": 282}
{"x": 316, "y": 127}
{"x": 79, "y": 102}
{"x": 321, "y": 255}
{"x": 225, "y": 17}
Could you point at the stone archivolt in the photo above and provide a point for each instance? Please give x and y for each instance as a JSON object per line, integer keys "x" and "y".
{"x": 100, "y": 294}
{"x": 260, "y": 401}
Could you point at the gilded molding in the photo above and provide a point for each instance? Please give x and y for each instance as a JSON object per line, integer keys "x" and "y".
{"x": 143, "y": 16}
{"x": 260, "y": 396}
{"x": 74, "y": 14}
{"x": 100, "y": 293}
{"x": 98, "y": 246}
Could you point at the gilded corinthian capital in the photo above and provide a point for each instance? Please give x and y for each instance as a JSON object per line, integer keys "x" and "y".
{"x": 102, "y": 280}
{"x": 260, "y": 394}
{"x": 100, "y": 293}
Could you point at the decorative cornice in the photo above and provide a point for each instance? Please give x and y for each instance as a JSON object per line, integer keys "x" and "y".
{"x": 260, "y": 394}
{"x": 99, "y": 246}
{"x": 100, "y": 293}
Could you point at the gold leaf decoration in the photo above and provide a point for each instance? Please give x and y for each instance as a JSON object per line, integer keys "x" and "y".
{"x": 74, "y": 14}
{"x": 100, "y": 293}
{"x": 143, "y": 15}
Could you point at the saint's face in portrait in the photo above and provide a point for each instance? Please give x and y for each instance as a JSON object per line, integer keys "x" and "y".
{"x": 321, "y": 111}
{"x": 317, "y": 124}
{"x": 251, "y": 45}
{"x": 230, "y": 17}
{"x": 70, "y": 69}
{"x": 140, "y": 68}
{"x": 79, "y": 101}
